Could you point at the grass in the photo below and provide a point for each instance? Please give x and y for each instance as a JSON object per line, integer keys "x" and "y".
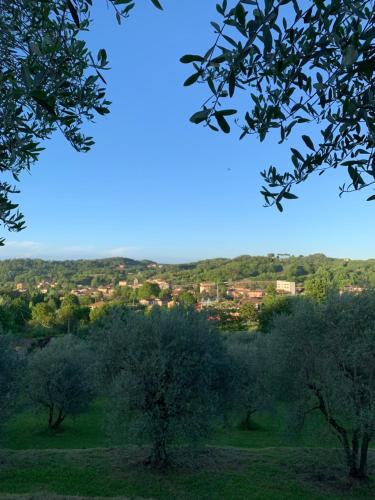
{"x": 29, "y": 430}
{"x": 270, "y": 473}
{"x": 262, "y": 463}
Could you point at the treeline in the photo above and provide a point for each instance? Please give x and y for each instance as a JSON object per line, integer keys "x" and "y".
{"x": 67, "y": 272}
{"x": 256, "y": 268}
{"x": 34, "y": 314}
{"x": 169, "y": 376}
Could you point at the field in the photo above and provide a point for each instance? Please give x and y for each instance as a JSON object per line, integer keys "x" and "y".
{"x": 263, "y": 463}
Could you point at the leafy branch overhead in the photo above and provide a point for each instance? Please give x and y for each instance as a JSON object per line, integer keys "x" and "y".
{"x": 49, "y": 81}
{"x": 298, "y": 67}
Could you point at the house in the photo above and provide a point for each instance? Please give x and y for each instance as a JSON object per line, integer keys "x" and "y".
{"x": 82, "y": 291}
{"x": 151, "y": 302}
{"x": 106, "y": 290}
{"x": 21, "y": 288}
{"x": 351, "y": 289}
{"x": 136, "y": 283}
{"x": 176, "y": 291}
{"x": 288, "y": 287}
{"x": 207, "y": 288}
{"x": 240, "y": 292}
{"x": 163, "y": 285}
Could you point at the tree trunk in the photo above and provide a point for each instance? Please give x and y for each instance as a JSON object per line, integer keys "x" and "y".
{"x": 247, "y": 423}
{"x": 50, "y": 416}
{"x": 55, "y": 424}
{"x": 159, "y": 458}
{"x": 362, "y": 472}
{"x": 352, "y": 455}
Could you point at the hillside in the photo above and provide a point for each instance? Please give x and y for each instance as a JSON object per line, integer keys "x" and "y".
{"x": 245, "y": 267}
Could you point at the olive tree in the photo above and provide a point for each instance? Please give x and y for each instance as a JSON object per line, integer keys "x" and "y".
{"x": 250, "y": 382}
{"x": 301, "y": 66}
{"x": 324, "y": 360}
{"x": 168, "y": 372}
{"x": 59, "y": 378}
{"x": 10, "y": 375}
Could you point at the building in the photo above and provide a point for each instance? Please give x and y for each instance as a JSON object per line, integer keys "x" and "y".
{"x": 240, "y": 292}
{"x": 106, "y": 290}
{"x": 81, "y": 291}
{"x": 163, "y": 285}
{"x": 151, "y": 302}
{"x": 176, "y": 291}
{"x": 288, "y": 287}
{"x": 351, "y": 289}
{"x": 207, "y": 288}
{"x": 136, "y": 283}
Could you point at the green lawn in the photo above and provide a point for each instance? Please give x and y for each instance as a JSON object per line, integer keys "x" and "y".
{"x": 29, "y": 431}
{"x": 263, "y": 463}
{"x": 270, "y": 473}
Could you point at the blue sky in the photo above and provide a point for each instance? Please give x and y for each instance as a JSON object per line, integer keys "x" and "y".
{"x": 156, "y": 186}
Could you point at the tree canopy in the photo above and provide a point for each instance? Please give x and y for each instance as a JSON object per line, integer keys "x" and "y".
{"x": 169, "y": 371}
{"x": 49, "y": 81}
{"x": 323, "y": 357}
{"x": 300, "y": 66}
{"x": 59, "y": 379}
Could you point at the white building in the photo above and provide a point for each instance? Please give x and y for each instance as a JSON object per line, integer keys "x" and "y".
{"x": 286, "y": 287}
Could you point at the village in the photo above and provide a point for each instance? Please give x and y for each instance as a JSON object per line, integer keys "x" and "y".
{"x": 162, "y": 293}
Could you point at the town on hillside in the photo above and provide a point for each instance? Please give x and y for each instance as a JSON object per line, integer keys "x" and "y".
{"x": 45, "y": 298}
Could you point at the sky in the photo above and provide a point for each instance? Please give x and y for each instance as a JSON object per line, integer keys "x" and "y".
{"x": 156, "y": 186}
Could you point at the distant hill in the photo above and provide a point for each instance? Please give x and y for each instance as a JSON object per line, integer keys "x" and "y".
{"x": 255, "y": 268}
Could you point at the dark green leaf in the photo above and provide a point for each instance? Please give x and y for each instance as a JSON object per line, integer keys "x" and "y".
{"x": 200, "y": 116}
{"x": 227, "y": 112}
{"x": 223, "y": 124}
{"x": 289, "y": 196}
{"x": 189, "y": 58}
{"x": 157, "y": 4}
{"x": 192, "y": 79}
{"x": 231, "y": 83}
{"x": 309, "y": 143}
{"x": 74, "y": 13}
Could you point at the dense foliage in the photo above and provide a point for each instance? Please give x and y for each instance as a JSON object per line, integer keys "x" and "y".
{"x": 10, "y": 375}
{"x": 59, "y": 379}
{"x": 323, "y": 356}
{"x": 169, "y": 374}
